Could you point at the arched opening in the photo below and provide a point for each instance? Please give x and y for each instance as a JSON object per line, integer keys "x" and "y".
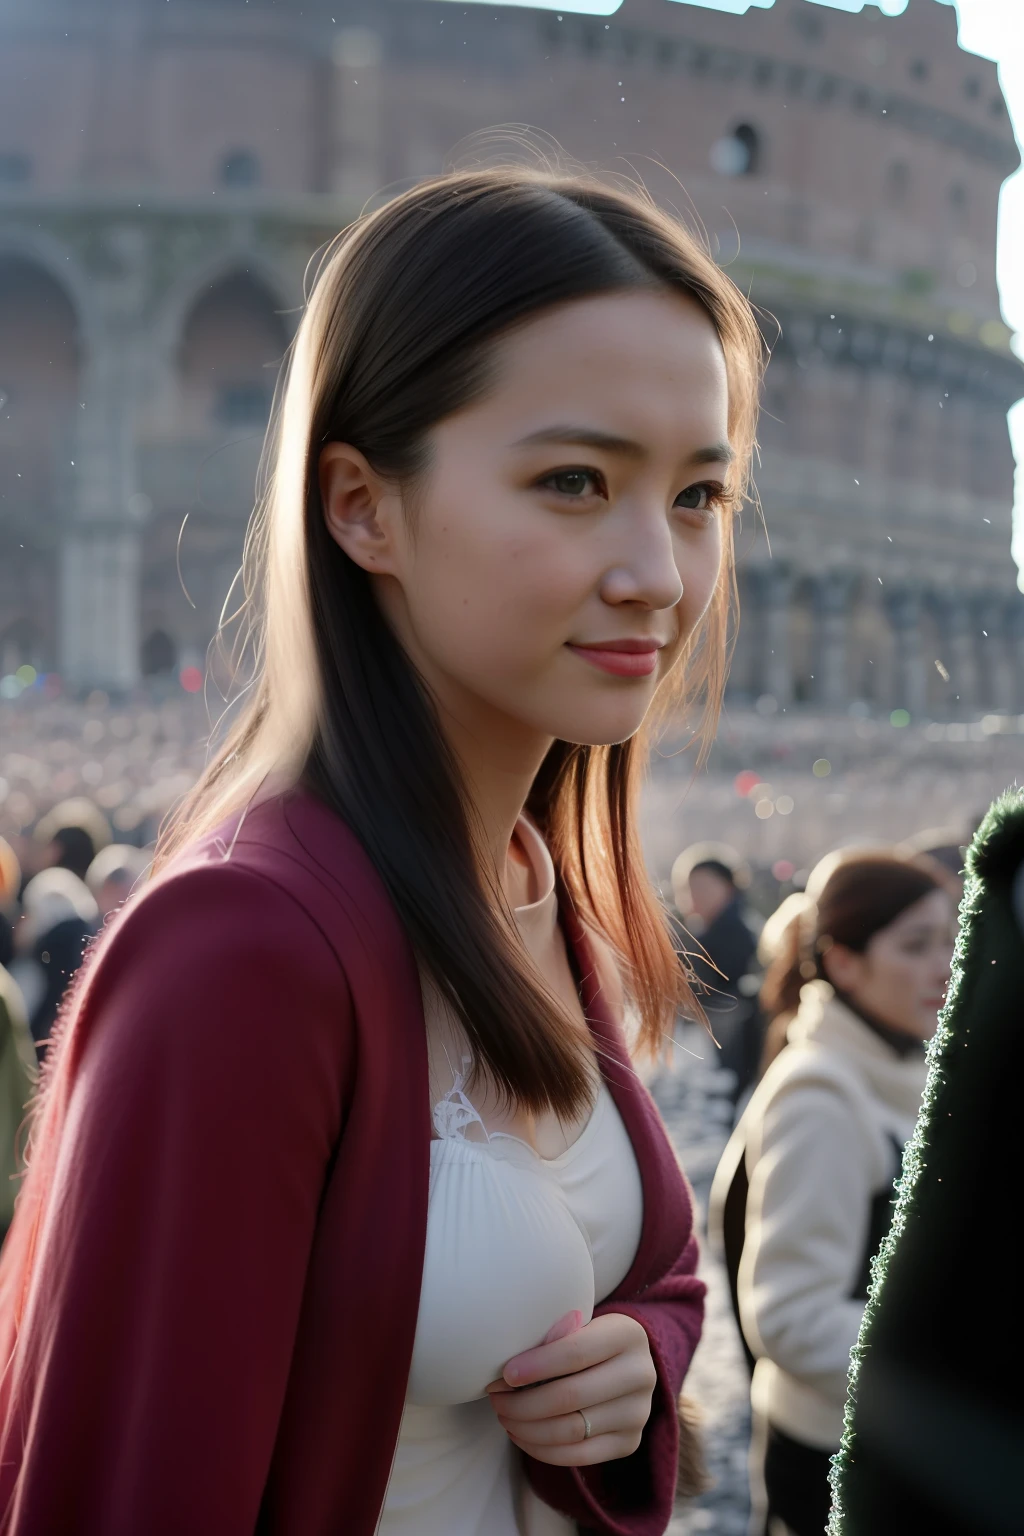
{"x": 200, "y": 459}
{"x": 231, "y": 346}
{"x": 240, "y": 168}
{"x": 739, "y": 153}
{"x": 39, "y": 406}
{"x": 159, "y": 654}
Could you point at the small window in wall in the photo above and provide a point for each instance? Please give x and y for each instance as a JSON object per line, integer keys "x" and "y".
{"x": 918, "y": 70}
{"x": 811, "y": 28}
{"x": 972, "y": 88}
{"x": 240, "y": 168}
{"x": 159, "y": 654}
{"x": 244, "y": 405}
{"x": 15, "y": 169}
{"x": 739, "y": 153}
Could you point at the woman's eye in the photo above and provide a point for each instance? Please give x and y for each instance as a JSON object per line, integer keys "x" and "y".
{"x": 574, "y": 482}
{"x": 699, "y": 498}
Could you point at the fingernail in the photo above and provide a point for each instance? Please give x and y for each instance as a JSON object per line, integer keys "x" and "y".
{"x": 512, "y": 1374}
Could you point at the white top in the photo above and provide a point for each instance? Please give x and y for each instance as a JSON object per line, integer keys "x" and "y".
{"x": 818, "y": 1138}
{"x": 514, "y": 1242}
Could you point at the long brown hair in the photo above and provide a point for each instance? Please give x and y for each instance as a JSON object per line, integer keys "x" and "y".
{"x": 863, "y": 894}
{"x": 398, "y": 334}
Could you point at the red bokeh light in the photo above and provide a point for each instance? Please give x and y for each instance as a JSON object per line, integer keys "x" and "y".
{"x": 782, "y": 869}
{"x": 746, "y": 781}
{"x": 191, "y": 679}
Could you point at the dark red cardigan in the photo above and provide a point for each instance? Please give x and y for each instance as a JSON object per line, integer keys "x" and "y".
{"x": 221, "y": 1316}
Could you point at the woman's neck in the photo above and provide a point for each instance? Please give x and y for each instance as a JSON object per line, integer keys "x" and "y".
{"x": 499, "y": 758}
{"x": 900, "y": 1041}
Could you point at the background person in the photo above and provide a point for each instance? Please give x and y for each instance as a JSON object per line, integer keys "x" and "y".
{"x": 59, "y": 917}
{"x": 934, "y": 1424}
{"x": 708, "y": 882}
{"x": 115, "y": 872}
{"x": 70, "y": 835}
{"x": 802, "y": 1197}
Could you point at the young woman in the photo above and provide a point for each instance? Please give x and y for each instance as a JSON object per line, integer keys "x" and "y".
{"x": 346, "y": 1210}
{"x": 802, "y": 1198}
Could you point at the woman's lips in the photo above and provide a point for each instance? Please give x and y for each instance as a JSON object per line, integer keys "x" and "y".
{"x": 622, "y": 658}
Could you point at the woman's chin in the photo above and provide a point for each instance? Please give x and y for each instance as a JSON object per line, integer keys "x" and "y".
{"x": 600, "y": 736}
{"x": 603, "y": 727}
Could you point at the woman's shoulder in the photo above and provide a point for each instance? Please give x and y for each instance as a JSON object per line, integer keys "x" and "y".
{"x": 810, "y": 1067}
{"x": 291, "y": 853}
{"x": 284, "y": 888}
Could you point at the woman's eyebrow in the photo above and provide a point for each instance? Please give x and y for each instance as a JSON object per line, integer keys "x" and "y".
{"x": 717, "y": 453}
{"x": 626, "y": 447}
{"x": 585, "y": 437}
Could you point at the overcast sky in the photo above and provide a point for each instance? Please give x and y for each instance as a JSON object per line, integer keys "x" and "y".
{"x": 994, "y": 28}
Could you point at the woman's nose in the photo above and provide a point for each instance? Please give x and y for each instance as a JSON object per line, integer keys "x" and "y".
{"x": 644, "y": 569}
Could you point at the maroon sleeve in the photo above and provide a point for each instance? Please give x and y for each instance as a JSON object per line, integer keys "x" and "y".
{"x": 214, "y": 1032}
{"x": 634, "y": 1496}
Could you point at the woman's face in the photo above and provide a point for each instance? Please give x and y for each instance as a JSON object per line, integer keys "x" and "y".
{"x": 901, "y": 977}
{"x": 567, "y": 535}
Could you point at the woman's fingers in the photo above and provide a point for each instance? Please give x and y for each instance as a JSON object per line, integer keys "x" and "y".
{"x": 624, "y": 1416}
{"x": 611, "y": 1446}
{"x": 601, "y": 1339}
{"x": 618, "y": 1378}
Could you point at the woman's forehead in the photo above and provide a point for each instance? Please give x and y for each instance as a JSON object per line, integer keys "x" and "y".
{"x": 633, "y": 365}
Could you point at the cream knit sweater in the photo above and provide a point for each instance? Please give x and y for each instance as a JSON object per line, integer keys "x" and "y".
{"x": 818, "y": 1138}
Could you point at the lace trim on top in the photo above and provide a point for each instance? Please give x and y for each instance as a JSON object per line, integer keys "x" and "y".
{"x": 454, "y": 1114}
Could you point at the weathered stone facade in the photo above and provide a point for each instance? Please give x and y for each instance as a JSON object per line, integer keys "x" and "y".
{"x": 168, "y": 169}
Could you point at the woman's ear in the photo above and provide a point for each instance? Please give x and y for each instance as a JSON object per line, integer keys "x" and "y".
{"x": 354, "y": 501}
{"x": 842, "y": 967}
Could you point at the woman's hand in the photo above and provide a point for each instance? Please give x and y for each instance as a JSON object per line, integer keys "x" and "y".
{"x": 603, "y": 1370}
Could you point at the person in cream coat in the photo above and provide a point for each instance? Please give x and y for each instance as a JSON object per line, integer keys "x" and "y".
{"x": 803, "y": 1195}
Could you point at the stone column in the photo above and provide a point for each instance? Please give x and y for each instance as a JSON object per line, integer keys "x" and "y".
{"x": 99, "y": 557}
{"x": 355, "y": 158}
{"x": 773, "y": 587}
{"x": 956, "y": 624}
{"x": 99, "y": 606}
{"x": 831, "y": 595}
{"x": 910, "y": 676}
{"x": 993, "y": 624}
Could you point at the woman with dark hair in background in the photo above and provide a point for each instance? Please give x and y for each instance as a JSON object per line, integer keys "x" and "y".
{"x": 802, "y": 1197}
{"x": 365, "y": 1219}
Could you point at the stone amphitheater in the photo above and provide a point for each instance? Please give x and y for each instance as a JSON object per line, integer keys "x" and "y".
{"x": 168, "y": 169}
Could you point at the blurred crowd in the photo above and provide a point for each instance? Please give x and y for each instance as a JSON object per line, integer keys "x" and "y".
{"x": 820, "y": 988}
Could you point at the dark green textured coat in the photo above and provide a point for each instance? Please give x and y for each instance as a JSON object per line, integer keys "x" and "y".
{"x": 934, "y": 1440}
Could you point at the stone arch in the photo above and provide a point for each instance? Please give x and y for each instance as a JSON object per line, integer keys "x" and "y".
{"x": 41, "y": 365}
{"x": 200, "y": 453}
{"x": 231, "y": 343}
{"x": 61, "y": 264}
{"x": 181, "y": 299}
